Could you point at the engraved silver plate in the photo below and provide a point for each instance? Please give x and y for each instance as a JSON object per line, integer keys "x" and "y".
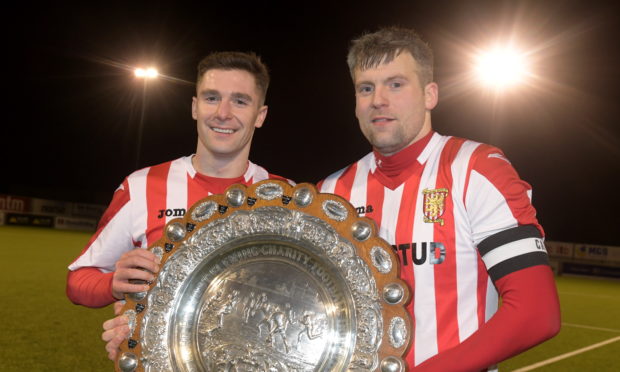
{"x": 267, "y": 287}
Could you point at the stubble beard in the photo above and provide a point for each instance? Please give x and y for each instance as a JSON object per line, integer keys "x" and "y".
{"x": 385, "y": 142}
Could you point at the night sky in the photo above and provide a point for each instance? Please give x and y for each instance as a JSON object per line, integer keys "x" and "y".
{"x": 74, "y": 107}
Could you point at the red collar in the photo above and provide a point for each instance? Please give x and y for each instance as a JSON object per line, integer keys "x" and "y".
{"x": 216, "y": 185}
{"x": 393, "y": 170}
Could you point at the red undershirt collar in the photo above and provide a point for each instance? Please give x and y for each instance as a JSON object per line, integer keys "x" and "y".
{"x": 395, "y": 169}
{"x": 216, "y": 185}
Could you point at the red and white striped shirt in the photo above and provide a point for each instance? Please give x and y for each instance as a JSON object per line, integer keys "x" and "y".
{"x": 454, "y": 197}
{"x": 141, "y": 206}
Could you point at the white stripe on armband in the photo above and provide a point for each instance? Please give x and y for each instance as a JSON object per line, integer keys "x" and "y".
{"x": 513, "y": 249}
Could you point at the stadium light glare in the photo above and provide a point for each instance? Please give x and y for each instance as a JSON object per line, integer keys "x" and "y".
{"x": 146, "y": 75}
{"x": 501, "y": 67}
{"x": 149, "y": 73}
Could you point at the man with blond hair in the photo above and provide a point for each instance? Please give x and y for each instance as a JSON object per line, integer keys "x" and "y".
{"x": 455, "y": 211}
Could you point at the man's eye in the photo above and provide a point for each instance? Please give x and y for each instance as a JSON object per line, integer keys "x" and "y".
{"x": 365, "y": 89}
{"x": 241, "y": 102}
{"x": 211, "y": 98}
{"x": 396, "y": 84}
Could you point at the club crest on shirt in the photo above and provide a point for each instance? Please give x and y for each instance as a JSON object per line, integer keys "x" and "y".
{"x": 434, "y": 205}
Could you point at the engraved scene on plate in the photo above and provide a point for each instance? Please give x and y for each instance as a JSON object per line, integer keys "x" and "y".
{"x": 266, "y": 306}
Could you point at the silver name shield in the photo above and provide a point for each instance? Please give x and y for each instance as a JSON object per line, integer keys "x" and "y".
{"x": 267, "y": 278}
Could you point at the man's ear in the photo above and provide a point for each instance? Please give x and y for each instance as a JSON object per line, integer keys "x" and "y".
{"x": 260, "y": 118}
{"x": 195, "y": 108}
{"x": 431, "y": 95}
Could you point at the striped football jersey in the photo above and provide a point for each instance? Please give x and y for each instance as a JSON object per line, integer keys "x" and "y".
{"x": 459, "y": 221}
{"x": 145, "y": 201}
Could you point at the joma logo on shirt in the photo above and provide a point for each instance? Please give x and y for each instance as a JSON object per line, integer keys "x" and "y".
{"x": 363, "y": 210}
{"x": 419, "y": 253}
{"x": 176, "y": 212}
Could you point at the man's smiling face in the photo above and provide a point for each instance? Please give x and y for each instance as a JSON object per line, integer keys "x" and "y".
{"x": 227, "y": 108}
{"x": 392, "y": 107}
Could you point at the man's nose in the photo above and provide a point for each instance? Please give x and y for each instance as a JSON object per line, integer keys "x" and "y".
{"x": 379, "y": 98}
{"x": 223, "y": 110}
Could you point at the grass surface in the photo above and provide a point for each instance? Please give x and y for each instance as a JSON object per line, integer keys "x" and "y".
{"x": 585, "y": 302}
{"x": 41, "y": 330}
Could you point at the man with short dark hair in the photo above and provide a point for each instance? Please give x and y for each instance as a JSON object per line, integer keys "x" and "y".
{"x": 228, "y": 107}
{"x": 455, "y": 210}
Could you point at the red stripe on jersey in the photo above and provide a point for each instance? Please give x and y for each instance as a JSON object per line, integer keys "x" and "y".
{"x": 446, "y": 291}
{"x": 156, "y": 190}
{"x": 498, "y": 170}
{"x": 345, "y": 182}
{"x": 470, "y": 166}
{"x": 374, "y": 199}
{"x": 119, "y": 199}
{"x": 404, "y": 233}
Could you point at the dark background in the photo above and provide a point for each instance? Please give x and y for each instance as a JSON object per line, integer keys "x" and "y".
{"x": 73, "y": 106}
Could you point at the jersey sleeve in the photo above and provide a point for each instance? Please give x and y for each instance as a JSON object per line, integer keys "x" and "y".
{"x": 502, "y": 218}
{"x": 90, "y": 275}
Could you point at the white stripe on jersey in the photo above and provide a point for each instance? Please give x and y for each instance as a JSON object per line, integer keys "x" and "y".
{"x": 466, "y": 255}
{"x": 389, "y": 219}
{"x": 329, "y": 184}
{"x": 189, "y": 166}
{"x": 424, "y": 291}
{"x": 510, "y": 250}
{"x": 431, "y": 147}
{"x": 256, "y": 172}
{"x": 358, "y": 192}
{"x": 493, "y": 214}
{"x": 137, "y": 200}
{"x": 176, "y": 192}
{"x": 492, "y": 300}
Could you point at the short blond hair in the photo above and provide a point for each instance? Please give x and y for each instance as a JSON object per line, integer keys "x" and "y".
{"x": 382, "y": 46}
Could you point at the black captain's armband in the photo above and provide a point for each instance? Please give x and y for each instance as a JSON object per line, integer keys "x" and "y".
{"x": 512, "y": 250}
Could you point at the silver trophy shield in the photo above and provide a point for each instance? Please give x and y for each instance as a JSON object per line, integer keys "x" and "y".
{"x": 270, "y": 277}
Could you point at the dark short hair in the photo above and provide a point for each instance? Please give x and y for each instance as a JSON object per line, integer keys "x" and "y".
{"x": 249, "y": 62}
{"x": 373, "y": 49}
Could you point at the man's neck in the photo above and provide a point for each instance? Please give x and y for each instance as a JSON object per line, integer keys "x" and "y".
{"x": 424, "y": 131}
{"x": 230, "y": 166}
{"x": 393, "y": 165}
